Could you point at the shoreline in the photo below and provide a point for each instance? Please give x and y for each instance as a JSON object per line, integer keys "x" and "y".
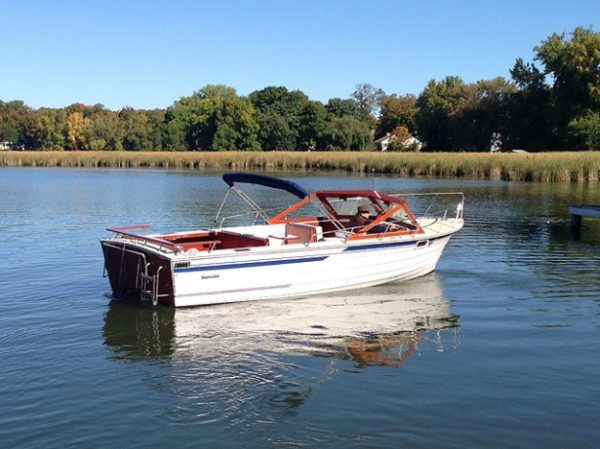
{"x": 581, "y": 166}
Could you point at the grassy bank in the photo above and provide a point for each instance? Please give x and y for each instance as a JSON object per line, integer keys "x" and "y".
{"x": 543, "y": 167}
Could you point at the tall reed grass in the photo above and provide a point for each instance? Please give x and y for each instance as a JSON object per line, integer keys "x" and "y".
{"x": 540, "y": 167}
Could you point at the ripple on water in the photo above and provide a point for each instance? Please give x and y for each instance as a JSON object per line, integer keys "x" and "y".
{"x": 78, "y": 370}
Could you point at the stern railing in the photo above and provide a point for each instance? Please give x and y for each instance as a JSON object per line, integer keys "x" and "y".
{"x": 163, "y": 245}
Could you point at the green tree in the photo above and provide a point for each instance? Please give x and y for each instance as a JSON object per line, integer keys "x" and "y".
{"x": 104, "y": 130}
{"x": 198, "y": 115}
{"x": 586, "y": 128}
{"x": 565, "y": 87}
{"x": 346, "y": 133}
{"x": 190, "y": 122}
{"x": 213, "y": 118}
{"x": 438, "y": 116}
{"x": 279, "y": 113}
{"x": 175, "y": 131}
{"x": 288, "y": 104}
{"x": 312, "y": 124}
{"x": 530, "y": 109}
{"x": 275, "y": 132}
{"x": 574, "y": 67}
{"x": 46, "y": 129}
{"x": 485, "y": 111}
{"x": 236, "y": 127}
{"x": 341, "y": 108}
{"x": 156, "y": 135}
{"x": 349, "y": 122}
{"x": 142, "y": 130}
{"x": 13, "y": 117}
{"x": 397, "y": 111}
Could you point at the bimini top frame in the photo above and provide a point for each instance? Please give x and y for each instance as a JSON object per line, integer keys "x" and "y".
{"x": 251, "y": 178}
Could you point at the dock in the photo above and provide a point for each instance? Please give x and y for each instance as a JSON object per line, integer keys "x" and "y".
{"x": 578, "y": 212}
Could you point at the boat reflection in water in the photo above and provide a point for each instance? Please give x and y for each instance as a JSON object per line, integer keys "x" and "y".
{"x": 375, "y": 326}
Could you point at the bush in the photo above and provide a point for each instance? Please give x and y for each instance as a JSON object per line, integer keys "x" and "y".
{"x": 586, "y": 128}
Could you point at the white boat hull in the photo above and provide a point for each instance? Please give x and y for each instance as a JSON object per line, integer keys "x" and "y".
{"x": 303, "y": 272}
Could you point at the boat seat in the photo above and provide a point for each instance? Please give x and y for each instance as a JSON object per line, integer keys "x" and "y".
{"x": 299, "y": 233}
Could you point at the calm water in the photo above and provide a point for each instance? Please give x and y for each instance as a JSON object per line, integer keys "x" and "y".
{"x": 497, "y": 349}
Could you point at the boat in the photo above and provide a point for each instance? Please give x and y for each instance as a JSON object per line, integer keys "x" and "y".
{"x": 311, "y": 247}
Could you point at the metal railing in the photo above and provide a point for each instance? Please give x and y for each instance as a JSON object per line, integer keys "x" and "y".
{"x": 162, "y": 244}
{"x": 435, "y": 196}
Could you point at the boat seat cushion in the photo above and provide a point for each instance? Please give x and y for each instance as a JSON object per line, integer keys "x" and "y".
{"x": 300, "y": 233}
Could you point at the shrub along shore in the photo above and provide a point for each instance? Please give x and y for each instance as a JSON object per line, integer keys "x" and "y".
{"x": 537, "y": 167}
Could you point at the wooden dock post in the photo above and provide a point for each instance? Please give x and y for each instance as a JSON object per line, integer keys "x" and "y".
{"x": 578, "y": 212}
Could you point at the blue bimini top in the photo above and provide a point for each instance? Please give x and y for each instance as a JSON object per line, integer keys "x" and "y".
{"x": 267, "y": 181}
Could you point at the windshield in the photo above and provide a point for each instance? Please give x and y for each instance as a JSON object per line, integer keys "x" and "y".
{"x": 349, "y": 206}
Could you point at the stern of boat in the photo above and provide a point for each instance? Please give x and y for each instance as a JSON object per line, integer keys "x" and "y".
{"x": 137, "y": 273}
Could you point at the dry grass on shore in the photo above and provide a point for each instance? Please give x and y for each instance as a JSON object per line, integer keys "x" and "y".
{"x": 539, "y": 167}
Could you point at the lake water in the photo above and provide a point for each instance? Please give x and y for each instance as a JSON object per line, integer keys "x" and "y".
{"x": 499, "y": 348}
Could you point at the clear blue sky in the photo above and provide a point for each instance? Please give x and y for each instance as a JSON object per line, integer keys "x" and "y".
{"x": 149, "y": 53}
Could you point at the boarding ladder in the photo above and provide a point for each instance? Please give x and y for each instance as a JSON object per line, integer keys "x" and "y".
{"x": 148, "y": 284}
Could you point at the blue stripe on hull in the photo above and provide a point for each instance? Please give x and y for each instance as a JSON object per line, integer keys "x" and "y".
{"x": 378, "y": 246}
{"x": 265, "y": 263}
{"x": 389, "y": 245}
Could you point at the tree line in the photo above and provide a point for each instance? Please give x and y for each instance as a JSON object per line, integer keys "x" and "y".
{"x": 552, "y": 103}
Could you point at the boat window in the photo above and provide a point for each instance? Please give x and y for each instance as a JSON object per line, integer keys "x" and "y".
{"x": 402, "y": 218}
{"x": 308, "y": 210}
{"x": 348, "y": 206}
{"x": 401, "y": 215}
